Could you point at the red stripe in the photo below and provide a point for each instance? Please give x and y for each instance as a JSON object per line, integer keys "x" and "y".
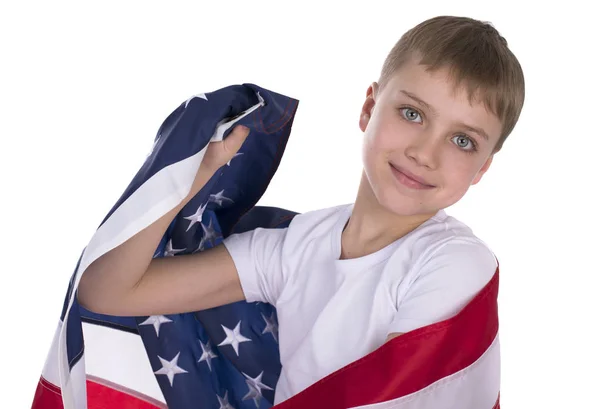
{"x": 47, "y": 396}
{"x": 100, "y": 395}
{"x": 410, "y": 362}
{"x": 497, "y": 405}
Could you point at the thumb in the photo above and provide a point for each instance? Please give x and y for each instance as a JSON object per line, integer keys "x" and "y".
{"x": 233, "y": 142}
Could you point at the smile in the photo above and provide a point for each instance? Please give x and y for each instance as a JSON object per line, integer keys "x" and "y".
{"x": 410, "y": 180}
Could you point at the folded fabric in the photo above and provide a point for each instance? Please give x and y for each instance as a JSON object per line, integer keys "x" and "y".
{"x": 227, "y": 357}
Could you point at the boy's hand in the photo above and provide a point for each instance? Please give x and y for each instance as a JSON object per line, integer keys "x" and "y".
{"x": 219, "y": 153}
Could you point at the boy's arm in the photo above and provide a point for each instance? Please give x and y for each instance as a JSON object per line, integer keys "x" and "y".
{"x": 127, "y": 281}
{"x": 393, "y": 335}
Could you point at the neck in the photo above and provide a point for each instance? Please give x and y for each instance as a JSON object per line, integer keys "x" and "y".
{"x": 371, "y": 227}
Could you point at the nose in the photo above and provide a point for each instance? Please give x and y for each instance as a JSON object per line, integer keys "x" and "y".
{"x": 424, "y": 150}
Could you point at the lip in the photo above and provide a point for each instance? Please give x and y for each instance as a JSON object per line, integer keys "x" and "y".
{"x": 409, "y": 179}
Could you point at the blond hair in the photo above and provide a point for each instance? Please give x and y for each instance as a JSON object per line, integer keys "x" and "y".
{"x": 477, "y": 57}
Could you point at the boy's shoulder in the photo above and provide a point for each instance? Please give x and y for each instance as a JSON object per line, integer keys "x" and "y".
{"x": 319, "y": 222}
{"x": 443, "y": 232}
{"x": 446, "y": 248}
{"x": 321, "y": 215}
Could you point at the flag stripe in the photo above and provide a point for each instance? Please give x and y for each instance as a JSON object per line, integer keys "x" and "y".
{"x": 101, "y": 394}
{"x": 50, "y": 370}
{"x": 47, "y": 396}
{"x": 475, "y": 386}
{"x": 412, "y": 361}
{"x": 125, "y": 222}
{"x": 119, "y": 357}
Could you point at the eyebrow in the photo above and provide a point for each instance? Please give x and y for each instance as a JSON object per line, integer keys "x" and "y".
{"x": 418, "y": 100}
{"x": 474, "y": 129}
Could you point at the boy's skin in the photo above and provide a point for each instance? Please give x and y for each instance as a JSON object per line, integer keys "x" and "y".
{"x": 425, "y": 141}
{"x": 429, "y": 147}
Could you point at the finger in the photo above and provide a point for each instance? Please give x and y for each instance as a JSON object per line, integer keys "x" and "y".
{"x": 237, "y": 137}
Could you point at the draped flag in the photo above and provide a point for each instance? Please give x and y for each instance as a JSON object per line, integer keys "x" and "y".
{"x": 227, "y": 357}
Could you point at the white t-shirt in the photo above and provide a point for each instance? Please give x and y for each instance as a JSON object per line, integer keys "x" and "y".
{"x": 332, "y": 312}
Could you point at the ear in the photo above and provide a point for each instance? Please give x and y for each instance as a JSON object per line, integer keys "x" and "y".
{"x": 483, "y": 169}
{"x": 367, "y": 108}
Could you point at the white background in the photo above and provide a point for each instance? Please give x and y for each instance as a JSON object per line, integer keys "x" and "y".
{"x": 85, "y": 87}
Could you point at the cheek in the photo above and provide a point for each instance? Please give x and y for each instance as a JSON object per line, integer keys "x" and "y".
{"x": 387, "y": 134}
{"x": 461, "y": 172}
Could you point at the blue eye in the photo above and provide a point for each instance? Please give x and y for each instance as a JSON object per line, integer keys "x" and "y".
{"x": 411, "y": 115}
{"x": 464, "y": 142}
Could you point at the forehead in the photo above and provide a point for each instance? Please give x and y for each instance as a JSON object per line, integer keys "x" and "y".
{"x": 444, "y": 100}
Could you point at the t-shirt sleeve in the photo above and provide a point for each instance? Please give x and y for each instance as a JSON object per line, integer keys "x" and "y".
{"x": 257, "y": 258}
{"x": 445, "y": 284}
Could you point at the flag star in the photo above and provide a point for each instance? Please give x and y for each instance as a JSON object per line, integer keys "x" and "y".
{"x": 207, "y": 354}
{"x": 234, "y": 156}
{"x": 224, "y": 402}
{"x": 201, "y": 245}
{"x": 156, "y": 321}
{"x": 170, "y": 251}
{"x": 170, "y": 368}
{"x": 254, "y": 388}
{"x": 210, "y": 236}
{"x": 203, "y": 96}
{"x": 234, "y": 338}
{"x": 219, "y": 198}
{"x": 271, "y": 325}
{"x": 196, "y": 217}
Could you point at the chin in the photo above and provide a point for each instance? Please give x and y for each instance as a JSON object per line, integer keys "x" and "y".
{"x": 401, "y": 205}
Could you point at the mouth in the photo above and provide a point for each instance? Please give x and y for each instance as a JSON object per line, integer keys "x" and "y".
{"x": 409, "y": 179}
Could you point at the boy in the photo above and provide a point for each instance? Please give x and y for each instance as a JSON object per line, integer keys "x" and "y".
{"x": 347, "y": 279}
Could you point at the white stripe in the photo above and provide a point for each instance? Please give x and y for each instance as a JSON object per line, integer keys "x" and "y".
{"x": 120, "y": 357}
{"x": 77, "y": 384}
{"x": 174, "y": 182}
{"x": 113, "y": 355}
{"x": 475, "y": 387}
{"x": 50, "y": 371}
{"x": 156, "y": 197}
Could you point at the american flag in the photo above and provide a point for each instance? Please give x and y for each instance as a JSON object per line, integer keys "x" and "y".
{"x": 227, "y": 357}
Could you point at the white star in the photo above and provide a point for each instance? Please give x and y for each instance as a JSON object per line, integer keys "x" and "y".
{"x": 219, "y": 198}
{"x": 210, "y": 236}
{"x": 203, "y": 96}
{"x": 170, "y": 251}
{"x": 271, "y": 325}
{"x": 201, "y": 245}
{"x": 234, "y": 338}
{"x": 207, "y": 354}
{"x": 196, "y": 217}
{"x": 170, "y": 368}
{"x": 156, "y": 320}
{"x": 254, "y": 388}
{"x": 234, "y": 156}
{"x": 224, "y": 402}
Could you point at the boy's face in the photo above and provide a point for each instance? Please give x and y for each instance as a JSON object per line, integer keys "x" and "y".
{"x": 424, "y": 143}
